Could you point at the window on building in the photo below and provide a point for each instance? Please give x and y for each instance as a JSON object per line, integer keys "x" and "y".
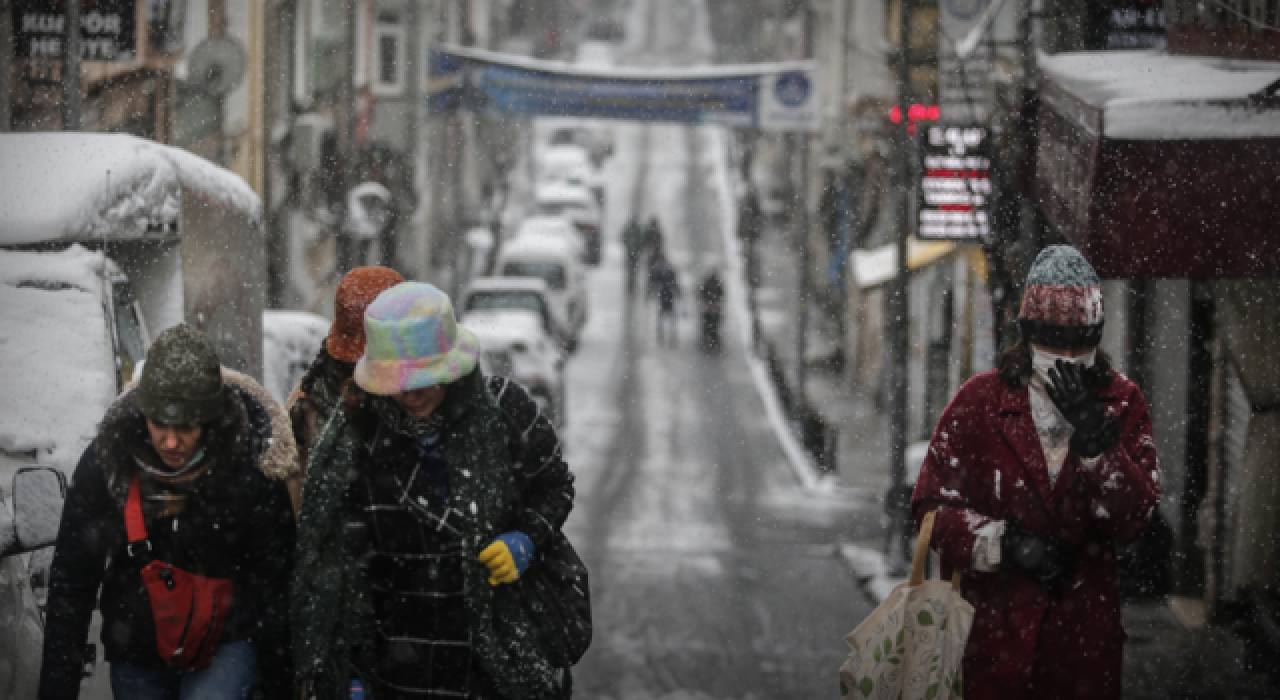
{"x": 388, "y": 55}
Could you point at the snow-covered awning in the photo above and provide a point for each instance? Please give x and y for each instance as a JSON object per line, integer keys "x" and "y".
{"x": 873, "y": 267}
{"x": 1161, "y": 166}
{"x": 1152, "y": 95}
{"x": 80, "y": 186}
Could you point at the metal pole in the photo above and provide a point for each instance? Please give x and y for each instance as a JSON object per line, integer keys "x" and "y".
{"x": 344, "y": 118}
{"x": 898, "y": 317}
{"x": 801, "y": 142}
{"x": 414, "y": 72}
{"x": 6, "y": 59}
{"x": 71, "y": 69}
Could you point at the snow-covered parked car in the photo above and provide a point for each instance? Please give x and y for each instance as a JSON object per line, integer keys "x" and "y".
{"x": 552, "y": 227}
{"x": 577, "y": 204}
{"x": 554, "y": 262}
{"x": 532, "y": 355}
{"x": 185, "y": 232}
{"x": 290, "y": 342}
{"x": 517, "y": 293}
{"x": 59, "y": 373}
{"x": 104, "y": 239}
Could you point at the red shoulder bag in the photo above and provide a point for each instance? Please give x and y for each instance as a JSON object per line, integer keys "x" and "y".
{"x": 190, "y": 610}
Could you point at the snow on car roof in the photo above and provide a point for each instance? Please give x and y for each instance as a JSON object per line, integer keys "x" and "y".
{"x": 55, "y": 357}
{"x": 563, "y": 191}
{"x": 79, "y": 186}
{"x": 535, "y": 224}
{"x": 1153, "y": 95}
{"x": 537, "y": 245}
{"x": 492, "y": 284}
{"x": 565, "y": 154}
{"x": 503, "y": 325}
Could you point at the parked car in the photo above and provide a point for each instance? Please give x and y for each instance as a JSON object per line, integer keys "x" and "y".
{"x": 553, "y": 227}
{"x": 579, "y": 206}
{"x": 598, "y": 141}
{"x": 70, "y": 337}
{"x": 518, "y": 293}
{"x": 572, "y": 164}
{"x": 290, "y": 342}
{"x": 517, "y": 338}
{"x": 174, "y": 238}
{"x": 554, "y": 262}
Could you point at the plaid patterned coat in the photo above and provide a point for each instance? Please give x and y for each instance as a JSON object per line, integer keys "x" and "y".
{"x": 487, "y": 447}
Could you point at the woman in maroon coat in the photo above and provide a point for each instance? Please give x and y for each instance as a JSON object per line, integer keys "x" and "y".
{"x": 1037, "y": 471}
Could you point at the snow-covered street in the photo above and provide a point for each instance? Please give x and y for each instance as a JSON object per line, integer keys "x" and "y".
{"x": 714, "y": 570}
{"x": 714, "y": 573}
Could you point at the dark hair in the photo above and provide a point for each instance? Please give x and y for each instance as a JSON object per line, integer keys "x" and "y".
{"x": 1015, "y": 367}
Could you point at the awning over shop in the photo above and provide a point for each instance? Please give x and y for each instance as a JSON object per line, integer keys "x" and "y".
{"x": 1161, "y": 166}
{"x": 874, "y": 267}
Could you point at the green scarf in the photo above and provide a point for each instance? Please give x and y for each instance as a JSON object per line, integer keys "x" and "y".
{"x": 332, "y": 614}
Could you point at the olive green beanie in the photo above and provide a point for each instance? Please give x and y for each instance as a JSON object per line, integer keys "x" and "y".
{"x": 182, "y": 379}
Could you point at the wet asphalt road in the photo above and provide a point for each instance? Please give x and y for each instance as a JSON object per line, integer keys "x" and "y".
{"x": 713, "y": 573}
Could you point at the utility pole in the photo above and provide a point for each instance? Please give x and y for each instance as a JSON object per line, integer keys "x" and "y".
{"x": 897, "y": 501}
{"x": 6, "y": 61}
{"x": 344, "y": 125}
{"x": 414, "y": 69}
{"x": 800, "y": 141}
{"x": 70, "y": 69}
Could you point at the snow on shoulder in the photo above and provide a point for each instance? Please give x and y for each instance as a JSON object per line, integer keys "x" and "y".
{"x": 1147, "y": 95}
{"x": 55, "y": 354}
{"x": 77, "y": 186}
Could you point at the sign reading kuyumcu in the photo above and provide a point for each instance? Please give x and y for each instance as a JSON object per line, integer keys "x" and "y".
{"x": 771, "y": 96}
{"x": 107, "y": 29}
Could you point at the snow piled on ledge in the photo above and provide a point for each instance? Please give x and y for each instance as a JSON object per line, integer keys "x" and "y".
{"x": 56, "y": 186}
{"x": 1150, "y": 95}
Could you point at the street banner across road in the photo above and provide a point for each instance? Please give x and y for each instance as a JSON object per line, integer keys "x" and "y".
{"x": 768, "y": 96}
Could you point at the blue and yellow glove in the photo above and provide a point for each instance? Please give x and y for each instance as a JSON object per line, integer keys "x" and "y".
{"x": 507, "y": 557}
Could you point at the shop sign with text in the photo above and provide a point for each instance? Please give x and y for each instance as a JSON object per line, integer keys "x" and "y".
{"x": 107, "y": 29}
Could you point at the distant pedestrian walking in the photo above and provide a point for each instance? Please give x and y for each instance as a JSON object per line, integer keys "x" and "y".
{"x": 653, "y": 240}
{"x": 750, "y": 226}
{"x": 633, "y": 239}
{"x": 664, "y": 285}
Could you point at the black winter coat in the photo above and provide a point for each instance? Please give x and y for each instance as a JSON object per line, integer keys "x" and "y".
{"x": 238, "y": 524}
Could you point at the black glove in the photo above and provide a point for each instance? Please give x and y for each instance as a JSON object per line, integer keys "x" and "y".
{"x": 1095, "y": 431}
{"x": 1048, "y": 559}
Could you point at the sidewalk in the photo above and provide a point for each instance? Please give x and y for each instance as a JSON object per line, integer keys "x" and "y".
{"x": 862, "y": 454}
{"x": 1164, "y": 660}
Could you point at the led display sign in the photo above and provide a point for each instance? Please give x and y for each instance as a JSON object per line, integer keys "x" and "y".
{"x": 955, "y": 183}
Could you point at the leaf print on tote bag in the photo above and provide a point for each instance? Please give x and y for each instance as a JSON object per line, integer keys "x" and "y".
{"x": 912, "y": 645}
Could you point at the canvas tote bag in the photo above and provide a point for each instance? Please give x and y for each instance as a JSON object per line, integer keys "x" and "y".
{"x": 911, "y": 647}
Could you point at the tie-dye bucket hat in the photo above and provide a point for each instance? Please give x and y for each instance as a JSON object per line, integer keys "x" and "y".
{"x": 413, "y": 342}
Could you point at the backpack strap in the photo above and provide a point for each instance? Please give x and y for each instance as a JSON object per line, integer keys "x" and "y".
{"x": 134, "y": 526}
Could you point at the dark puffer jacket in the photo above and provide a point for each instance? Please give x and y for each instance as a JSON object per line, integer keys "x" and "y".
{"x": 237, "y": 525}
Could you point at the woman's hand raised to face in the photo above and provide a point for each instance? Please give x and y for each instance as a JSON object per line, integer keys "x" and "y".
{"x": 1095, "y": 432}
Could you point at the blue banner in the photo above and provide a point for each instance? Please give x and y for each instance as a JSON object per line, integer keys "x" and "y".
{"x": 765, "y": 96}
